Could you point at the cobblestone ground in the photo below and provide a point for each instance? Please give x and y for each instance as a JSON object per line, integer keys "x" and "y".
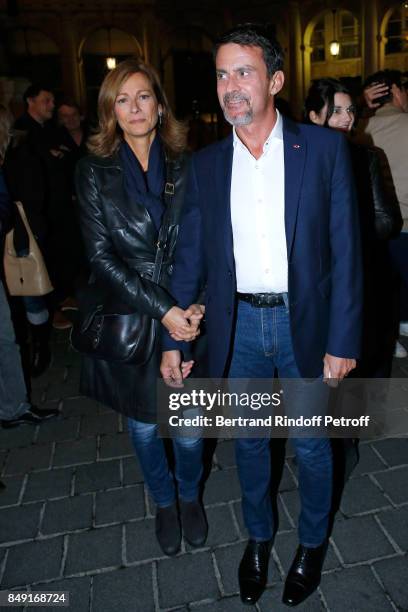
{"x": 76, "y": 516}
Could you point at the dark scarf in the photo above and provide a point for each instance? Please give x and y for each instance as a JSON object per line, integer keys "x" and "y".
{"x": 146, "y": 188}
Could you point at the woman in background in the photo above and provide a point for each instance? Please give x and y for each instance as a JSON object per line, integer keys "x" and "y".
{"x": 15, "y": 408}
{"x": 329, "y": 104}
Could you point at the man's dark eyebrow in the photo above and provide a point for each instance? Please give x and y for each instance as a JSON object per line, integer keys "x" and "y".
{"x": 245, "y": 67}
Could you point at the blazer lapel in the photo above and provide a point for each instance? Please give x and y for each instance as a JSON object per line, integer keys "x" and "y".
{"x": 223, "y": 187}
{"x": 295, "y": 157}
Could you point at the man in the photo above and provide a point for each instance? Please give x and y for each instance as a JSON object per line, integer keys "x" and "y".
{"x": 270, "y": 226}
{"x": 40, "y": 104}
{"x": 69, "y": 117}
{"x": 68, "y": 260}
{"x": 387, "y": 129}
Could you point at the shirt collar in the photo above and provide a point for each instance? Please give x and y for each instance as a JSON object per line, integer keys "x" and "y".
{"x": 389, "y": 109}
{"x": 277, "y": 133}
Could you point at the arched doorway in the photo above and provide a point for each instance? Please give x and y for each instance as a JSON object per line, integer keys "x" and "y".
{"x": 189, "y": 77}
{"x": 394, "y": 43}
{"x": 103, "y": 43}
{"x": 325, "y": 27}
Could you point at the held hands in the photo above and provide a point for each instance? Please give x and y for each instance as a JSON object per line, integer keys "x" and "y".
{"x": 184, "y": 324}
{"x": 336, "y": 368}
{"x": 173, "y": 370}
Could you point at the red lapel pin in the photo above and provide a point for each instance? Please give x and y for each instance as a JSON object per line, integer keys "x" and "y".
{"x": 296, "y": 146}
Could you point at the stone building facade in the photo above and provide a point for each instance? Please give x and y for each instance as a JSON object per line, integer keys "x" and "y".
{"x": 66, "y": 43}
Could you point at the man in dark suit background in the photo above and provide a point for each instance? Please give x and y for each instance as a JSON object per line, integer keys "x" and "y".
{"x": 270, "y": 227}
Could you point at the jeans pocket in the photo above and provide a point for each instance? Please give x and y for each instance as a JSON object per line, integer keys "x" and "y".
{"x": 286, "y": 301}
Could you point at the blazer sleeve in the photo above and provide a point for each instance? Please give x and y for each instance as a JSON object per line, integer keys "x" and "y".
{"x": 187, "y": 280}
{"x": 109, "y": 269}
{"x": 346, "y": 301}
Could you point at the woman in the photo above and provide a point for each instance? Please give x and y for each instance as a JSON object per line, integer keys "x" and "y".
{"x": 120, "y": 190}
{"x": 329, "y": 104}
{"x": 15, "y": 407}
{"x": 26, "y": 177}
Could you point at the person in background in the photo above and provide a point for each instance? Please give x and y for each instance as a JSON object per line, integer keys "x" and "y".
{"x": 73, "y": 131}
{"x": 68, "y": 267}
{"x": 27, "y": 171}
{"x": 329, "y": 104}
{"x": 15, "y": 407}
{"x": 387, "y": 129}
{"x": 120, "y": 190}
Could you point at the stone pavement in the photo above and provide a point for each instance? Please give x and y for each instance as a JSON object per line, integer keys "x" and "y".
{"x": 75, "y": 516}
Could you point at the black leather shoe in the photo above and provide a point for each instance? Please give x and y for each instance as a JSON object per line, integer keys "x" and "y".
{"x": 253, "y": 571}
{"x": 194, "y": 523}
{"x": 33, "y": 416}
{"x": 168, "y": 530}
{"x": 304, "y": 575}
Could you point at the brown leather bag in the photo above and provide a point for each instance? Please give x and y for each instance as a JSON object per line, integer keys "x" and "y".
{"x": 26, "y": 275}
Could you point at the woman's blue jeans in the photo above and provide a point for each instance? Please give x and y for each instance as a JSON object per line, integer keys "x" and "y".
{"x": 151, "y": 453}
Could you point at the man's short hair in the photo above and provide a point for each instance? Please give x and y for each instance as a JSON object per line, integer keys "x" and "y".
{"x": 389, "y": 78}
{"x": 33, "y": 90}
{"x": 69, "y": 102}
{"x": 255, "y": 35}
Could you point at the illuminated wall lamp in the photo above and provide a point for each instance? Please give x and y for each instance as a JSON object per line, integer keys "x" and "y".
{"x": 334, "y": 48}
{"x": 110, "y": 61}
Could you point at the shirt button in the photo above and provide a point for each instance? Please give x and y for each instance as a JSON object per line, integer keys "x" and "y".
{"x": 267, "y": 271}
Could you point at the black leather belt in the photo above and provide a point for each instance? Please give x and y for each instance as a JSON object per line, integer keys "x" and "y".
{"x": 262, "y": 300}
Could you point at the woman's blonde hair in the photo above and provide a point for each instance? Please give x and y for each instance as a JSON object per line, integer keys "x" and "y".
{"x": 109, "y": 135}
{"x": 6, "y": 122}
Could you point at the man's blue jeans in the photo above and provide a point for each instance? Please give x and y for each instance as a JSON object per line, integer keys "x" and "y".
{"x": 151, "y": 453}
{"x": 262, "y": 343}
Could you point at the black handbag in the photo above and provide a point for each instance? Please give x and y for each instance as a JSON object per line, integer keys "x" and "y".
{"x": 110, "y": 330}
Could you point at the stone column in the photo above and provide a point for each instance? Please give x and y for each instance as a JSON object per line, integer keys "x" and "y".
{"x": 295, "y": 59}
{"x": 71, "y": 78}
{"x": 370, "y": 37}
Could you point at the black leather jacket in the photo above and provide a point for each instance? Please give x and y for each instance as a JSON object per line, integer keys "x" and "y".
{"x": 379, "y": 210}
{"x": 120, "y": 241}
{"x": 120, "y": 237}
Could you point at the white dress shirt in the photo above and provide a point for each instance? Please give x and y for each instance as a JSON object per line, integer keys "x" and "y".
{"x": 258, "y": 216}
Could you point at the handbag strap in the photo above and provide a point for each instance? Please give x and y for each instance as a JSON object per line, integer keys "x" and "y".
{"x": 169, "y": 192}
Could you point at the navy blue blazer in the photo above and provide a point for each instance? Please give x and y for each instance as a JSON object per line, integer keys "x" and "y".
{"x": 323, "y": 246}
